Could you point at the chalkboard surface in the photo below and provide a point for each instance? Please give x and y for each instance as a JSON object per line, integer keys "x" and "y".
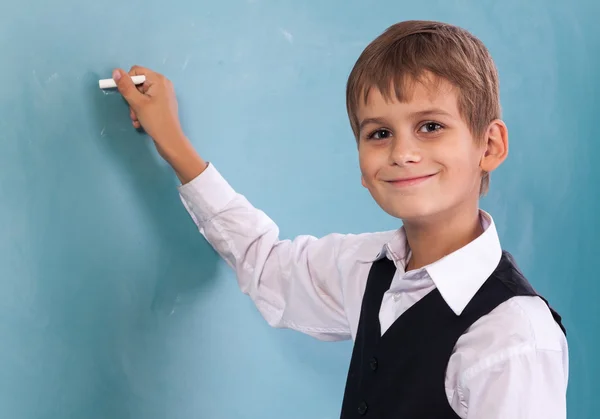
{"x": 112, "y": 305}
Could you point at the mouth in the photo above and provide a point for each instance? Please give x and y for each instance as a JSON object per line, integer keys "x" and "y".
{"x": 410, "y": 181}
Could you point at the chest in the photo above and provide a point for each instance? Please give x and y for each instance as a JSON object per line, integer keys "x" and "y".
{"x": 402, "y": 291}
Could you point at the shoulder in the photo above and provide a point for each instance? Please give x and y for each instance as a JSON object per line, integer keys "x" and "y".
{"x": 519, "y": 331}
{"x": 353, "y": 255}
{"x": 521, "y": 320}
{"x": 357, "y": 252}
{"x": 348, "y": 249}
{"x": 516, "y": 353}
{"x": 365, "y": 247}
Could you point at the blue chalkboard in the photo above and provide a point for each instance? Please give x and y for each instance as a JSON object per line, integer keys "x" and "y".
{"x": 111, "y": 302}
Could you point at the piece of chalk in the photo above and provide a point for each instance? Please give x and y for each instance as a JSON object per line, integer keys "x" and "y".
{"x": 110, "y": 83}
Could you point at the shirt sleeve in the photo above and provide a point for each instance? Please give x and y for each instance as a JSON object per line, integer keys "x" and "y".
{"x": 295, "y": 284}
{"x": 519, "y": 382}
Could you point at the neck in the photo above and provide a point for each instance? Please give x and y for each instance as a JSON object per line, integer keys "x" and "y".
{"x": 432, "y": 240}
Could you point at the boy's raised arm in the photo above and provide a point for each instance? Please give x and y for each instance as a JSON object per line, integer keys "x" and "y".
{"x": 296, "y": 283}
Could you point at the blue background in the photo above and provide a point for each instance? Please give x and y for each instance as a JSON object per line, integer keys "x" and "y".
{"x": 113, "y": 305}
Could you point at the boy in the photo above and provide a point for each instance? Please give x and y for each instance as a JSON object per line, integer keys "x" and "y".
{"x": 444, "y": 323}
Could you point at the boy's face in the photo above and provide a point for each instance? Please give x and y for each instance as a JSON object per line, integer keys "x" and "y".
{"x": 419, "y": 159}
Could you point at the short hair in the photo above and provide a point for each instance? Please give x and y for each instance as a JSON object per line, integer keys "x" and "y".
{"x": 408, "y": 50}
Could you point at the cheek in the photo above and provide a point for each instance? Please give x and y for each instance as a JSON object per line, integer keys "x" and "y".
{"x": 463, "y": 169}
{"x": 462, "y": 156}
{"x": 369, "y": 171}
{"x": 368, "y": 165}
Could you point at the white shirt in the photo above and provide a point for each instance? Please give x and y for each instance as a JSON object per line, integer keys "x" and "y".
{"x": 510, "y": 364}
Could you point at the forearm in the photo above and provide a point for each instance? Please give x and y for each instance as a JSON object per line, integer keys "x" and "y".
{"x": 183, "y": 158}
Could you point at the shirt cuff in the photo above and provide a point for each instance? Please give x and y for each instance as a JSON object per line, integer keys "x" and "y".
{"x": 207, "y": 194}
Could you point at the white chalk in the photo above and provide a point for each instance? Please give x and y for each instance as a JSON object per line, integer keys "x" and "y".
{"x": 110, "y": 83}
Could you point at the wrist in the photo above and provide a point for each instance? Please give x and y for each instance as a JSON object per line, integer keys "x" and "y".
{"x": 179, "y": 152}
{"x": 171, "y": 138}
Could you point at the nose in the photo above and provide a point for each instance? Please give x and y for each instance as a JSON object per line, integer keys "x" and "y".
{"x": 403, "y": 151}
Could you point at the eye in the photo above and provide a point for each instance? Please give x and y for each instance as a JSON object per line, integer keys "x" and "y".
{"x": 430, "y": 127}
{"x": 379, "y": 134}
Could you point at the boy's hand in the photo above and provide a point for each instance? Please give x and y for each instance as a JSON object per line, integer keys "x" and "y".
{"x": 153, "y": 107}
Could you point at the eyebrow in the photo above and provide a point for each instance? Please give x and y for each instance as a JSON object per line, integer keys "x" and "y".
{"x": 378, "y": 121}
{"x": 413, "y": 115}
{"x": 430, "y": 112}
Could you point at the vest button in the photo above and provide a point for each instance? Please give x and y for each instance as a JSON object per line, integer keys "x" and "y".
{"x": 362, "y": 408}
{"x": 373, "y": 363}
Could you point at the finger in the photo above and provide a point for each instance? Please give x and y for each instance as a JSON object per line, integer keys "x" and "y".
{"x": 138, "y": 70}
{"x": 144, "y": 87}
{"x": 127, "y": 88}
{"x": 132, "y": 115}
{"x": 151, "y": 77}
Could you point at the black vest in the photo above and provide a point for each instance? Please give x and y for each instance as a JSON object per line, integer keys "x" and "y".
{"x": 402, "y": 373}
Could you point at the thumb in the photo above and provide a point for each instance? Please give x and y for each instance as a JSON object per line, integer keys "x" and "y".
{"x": 127, "y": 88}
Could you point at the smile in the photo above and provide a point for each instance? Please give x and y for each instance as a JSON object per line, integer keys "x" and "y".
{"x": 401, "y": 183}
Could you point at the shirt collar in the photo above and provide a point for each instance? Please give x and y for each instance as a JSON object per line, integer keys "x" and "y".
{"x": 459, "y": 275}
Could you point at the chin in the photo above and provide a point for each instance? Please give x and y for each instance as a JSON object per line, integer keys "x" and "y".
{"x": 411, "y": 210}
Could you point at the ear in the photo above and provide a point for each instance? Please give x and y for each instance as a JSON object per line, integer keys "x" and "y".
{"x": 362, "y": 180}
{"x": 496, "y": 146}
